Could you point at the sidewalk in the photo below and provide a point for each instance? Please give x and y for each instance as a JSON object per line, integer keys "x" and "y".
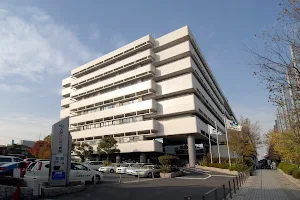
{"x": 268, "y": 185}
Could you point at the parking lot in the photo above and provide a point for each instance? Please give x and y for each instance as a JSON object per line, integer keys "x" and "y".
{"x": 194, "y": 183}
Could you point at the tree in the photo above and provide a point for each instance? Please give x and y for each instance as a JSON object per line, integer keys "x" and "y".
{"x": 47, "y": 138}
{"x": 286, "y": 145}
{"x": 83, "y": 150}
{"x": 277, "y": 65}
{"x": 107, "y": 145}
{"x": 41, "y": 149}
{"x": 244, "y": 143}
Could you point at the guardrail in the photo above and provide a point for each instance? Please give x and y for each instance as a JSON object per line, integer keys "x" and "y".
{"x": 226, "y": 190}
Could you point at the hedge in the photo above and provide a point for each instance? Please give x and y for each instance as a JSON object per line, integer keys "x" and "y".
{"x": 290, "y": 169}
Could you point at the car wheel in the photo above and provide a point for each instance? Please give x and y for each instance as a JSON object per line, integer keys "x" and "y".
{"x": 112, "y": 171}
{"x": 98, "y": 179}
{"x": 150, "y": 175}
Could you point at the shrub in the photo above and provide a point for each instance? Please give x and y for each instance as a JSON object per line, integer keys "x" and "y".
{"x": 220, "y": 165}
{"x": 239, "y": 166}
{"x": 296, "y": 173}
{"x": 167, "y": 159}
{"x": 165, "y": 168}
{"x": 204, "y": 162}
{"x": 287, "y": 167}
{"x": 106, "y": 163}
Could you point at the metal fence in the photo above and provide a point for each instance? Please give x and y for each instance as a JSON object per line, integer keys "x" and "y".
{"x": 227, "y": 190}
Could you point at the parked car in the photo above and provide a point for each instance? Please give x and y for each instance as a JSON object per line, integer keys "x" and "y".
{"x": 40, "y": 170}
{"x": 29, "y": 159}
{"x": 8, "y": 159}
{"x": 133, "y": 167}
{"x": 122, "y": 169}
{"x": 147, "y": 171}
{"x": 93, "y": 164}
{"x": 23, "y": 166}
{"x": 7, "y": 169}
{"x": 109, "y": 169}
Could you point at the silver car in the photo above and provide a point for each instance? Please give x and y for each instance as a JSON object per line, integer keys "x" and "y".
{"x": 108, "y": 169}
{"x": 95, "y": 165}
{"x": 147, "y": 171}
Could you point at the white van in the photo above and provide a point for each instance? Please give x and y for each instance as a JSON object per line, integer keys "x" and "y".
{"x": 40, "y": 170}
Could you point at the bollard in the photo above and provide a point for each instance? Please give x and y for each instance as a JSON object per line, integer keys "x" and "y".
{"x": 138, "y": 177}
{"x": 204, "y": 197}
{"x": 230, "y": 190}
{"x": 240, "y": 181}
{"x": 224, "y": 192}
{"x": 216, "y": 194}
{"x": 152, "y": 175}
{"x": 120, "y": 179}
{"x": 94, "y": 179}
{"x": 237, "y": 183}
{"x": 234, "y": 186}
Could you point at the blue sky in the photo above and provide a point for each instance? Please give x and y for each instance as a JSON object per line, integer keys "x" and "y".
{"x": 41, "y": 41}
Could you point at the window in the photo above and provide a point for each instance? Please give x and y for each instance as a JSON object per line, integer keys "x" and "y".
{"x": 5, "y": 159}
{"x": 75, "y": 166}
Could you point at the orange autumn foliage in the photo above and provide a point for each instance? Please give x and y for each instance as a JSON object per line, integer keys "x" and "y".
{"x": 41, "y": 149}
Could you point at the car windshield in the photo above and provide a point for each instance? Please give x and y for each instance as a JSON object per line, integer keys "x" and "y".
{"x": 124, "y": 165}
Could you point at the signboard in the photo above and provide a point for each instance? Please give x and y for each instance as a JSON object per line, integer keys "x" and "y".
{"x": 57, "y": 175}
{"x": 233, "y": 125}
{"x": 61, "y": 142}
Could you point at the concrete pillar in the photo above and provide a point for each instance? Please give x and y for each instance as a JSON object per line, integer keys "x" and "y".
{"x": 142, "y": 158}
{"x": 118, "y": 158}
{"x": 191, "y": 150}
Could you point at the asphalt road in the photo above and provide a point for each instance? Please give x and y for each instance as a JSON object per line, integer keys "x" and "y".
{"x": 194, "y": 183}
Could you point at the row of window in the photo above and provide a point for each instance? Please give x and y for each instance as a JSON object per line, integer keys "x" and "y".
{"x": 97, "y": 66}
{"x": 107, "y": 107}
{"x": 133, "y": 77}
{"x": 107, "y": 123}
{"x": 112, "y": 89}
{"x": 210, "y": 106}
{"x": 107, "y": 77}
{"x": 107, "y": 90}
{"x": 125, "y": 139}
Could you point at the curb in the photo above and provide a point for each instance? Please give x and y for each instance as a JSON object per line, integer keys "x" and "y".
{"x": 290, "y": 178}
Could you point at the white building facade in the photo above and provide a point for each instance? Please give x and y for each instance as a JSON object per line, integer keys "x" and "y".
{"x": 148, "y": 89}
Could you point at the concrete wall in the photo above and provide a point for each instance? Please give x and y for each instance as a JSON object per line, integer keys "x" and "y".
{"x": 7, "y": 192}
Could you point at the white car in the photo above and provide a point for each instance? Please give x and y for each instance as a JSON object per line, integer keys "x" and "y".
{"x": 122, "y": 169}
{"x": 78, "y": 172}
{"x": 95, "y": 165}
{"x": 108, "y": 169}
{"x": 133, "y": 167}
{"x": 147, "y": 171}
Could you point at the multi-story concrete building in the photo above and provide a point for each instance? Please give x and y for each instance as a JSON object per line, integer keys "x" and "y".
{"x": 288, "y": 114}
{"x": 147, "y": 94}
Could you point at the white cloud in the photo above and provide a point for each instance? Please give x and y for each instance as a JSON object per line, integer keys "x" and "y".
{"x": 32, "y": 45}
{"x": 20, "y": 126}
{"x": 13, "y": 88}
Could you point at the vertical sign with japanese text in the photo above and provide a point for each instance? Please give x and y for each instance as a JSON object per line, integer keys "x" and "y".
{"x": 60, "y": 162}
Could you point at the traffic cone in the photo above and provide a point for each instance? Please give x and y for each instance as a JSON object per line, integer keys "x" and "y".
{"x": 17, "y": 193}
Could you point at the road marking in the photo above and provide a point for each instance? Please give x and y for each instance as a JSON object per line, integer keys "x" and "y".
{"x": 224, "y": 175}
{"x": 136, "y": 181}
{"x": 208, "y": 176}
